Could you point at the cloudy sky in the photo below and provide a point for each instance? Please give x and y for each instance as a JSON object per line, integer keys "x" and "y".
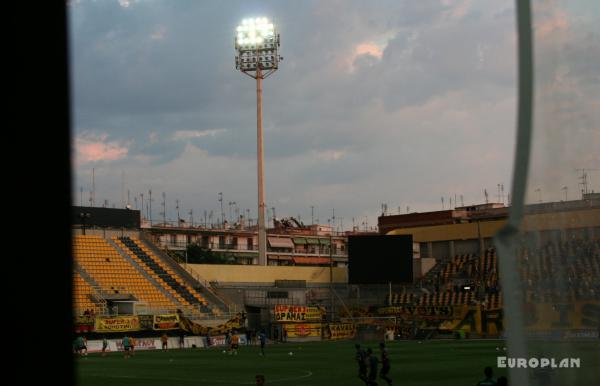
{"x": 396, "y": 102}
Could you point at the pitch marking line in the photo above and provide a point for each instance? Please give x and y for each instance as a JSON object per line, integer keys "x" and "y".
{"x": 306, "y": 375}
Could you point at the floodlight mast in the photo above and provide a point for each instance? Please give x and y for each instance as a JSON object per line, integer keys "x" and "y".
{"x": 257, "y": 45}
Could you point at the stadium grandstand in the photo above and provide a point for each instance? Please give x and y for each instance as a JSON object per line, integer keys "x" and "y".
{"x": 124, "y": 269}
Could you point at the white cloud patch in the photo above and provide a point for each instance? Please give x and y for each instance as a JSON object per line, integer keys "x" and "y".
{"x": 189, "y": 134}
{"x": 330, "y": 155}
{"x": 159, "y": 33}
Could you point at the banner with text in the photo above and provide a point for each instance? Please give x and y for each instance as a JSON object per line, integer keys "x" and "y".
{"x": 303, "y": 330}
{"x": 287, "y": 313}
{"x": 341, "y": 331}
{"x": 115, "y": 324}
{"x": 166, "y": 322}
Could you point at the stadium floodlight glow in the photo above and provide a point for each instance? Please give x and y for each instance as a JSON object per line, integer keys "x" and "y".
{"x": 253, "y": 37}
{"x": 257, "y": 44}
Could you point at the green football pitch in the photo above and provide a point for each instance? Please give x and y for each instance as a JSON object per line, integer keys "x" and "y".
{"x": 316, "y": 364}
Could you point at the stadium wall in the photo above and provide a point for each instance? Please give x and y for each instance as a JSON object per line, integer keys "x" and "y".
{"x": 107, "y": 232}
{"x": 266, "y": 274}
{"x": 451, "y": 231}
{"x": 444, "y": 241}
{"x": 588, "y": 218}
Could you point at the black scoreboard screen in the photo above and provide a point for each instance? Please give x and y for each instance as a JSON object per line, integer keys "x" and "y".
{"x": 380, "y": 259}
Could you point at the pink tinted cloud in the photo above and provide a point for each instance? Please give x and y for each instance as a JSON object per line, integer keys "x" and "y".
{"x": 556, "y": 22}
{"x": 98, "y": 149}
{"x": 368, "y": 48}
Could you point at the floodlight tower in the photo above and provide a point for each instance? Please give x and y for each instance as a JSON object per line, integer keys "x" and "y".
{"x": 257, "y": 45}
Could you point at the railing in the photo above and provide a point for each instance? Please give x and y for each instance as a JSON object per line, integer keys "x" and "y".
{"x": 181, "y": 245}
{"x": 189, "y": 312}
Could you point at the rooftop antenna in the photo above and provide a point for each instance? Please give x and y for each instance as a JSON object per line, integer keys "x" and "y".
{"x": 81, "y": 196}
{"x": 192, "y": 217}
{"x": 498, "y": 193}
{"x": 442, "y": 203}
{"x": 142, "y": 197}
{"x": 222, "y": 212}
{"x": 93, "y": 187}
{"x": 205, "y": 215}
{"x": 135, "y": 202}
{"x": 333, "y": 219}
{"x": 274, "y": 217}
{"x": 502, "y": 192}
{"x": 455, "y": 202}
{"x": 539, "y": 190}
{"x": 122, "y": 189}
{"x": 566, "y": 189}
{"x": 450, "y": 199}
{"x": 128, "y": 201}
{"x": 164, "y": 212}
{"x": 462, "y": 202}
{"x": 230, "y": 203}
{"x": 177, "y": 208}
{"x": 485, "y": 193}
{"x": 248, "y": 217}
{"x": 312, "y": 215}
{"x": 150, "y": 203}
{"x": 407, "y": 209}
{"x": 584, "y": 181}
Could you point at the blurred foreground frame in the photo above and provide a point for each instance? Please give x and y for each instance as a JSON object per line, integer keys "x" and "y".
{"x": 513, "y": 245}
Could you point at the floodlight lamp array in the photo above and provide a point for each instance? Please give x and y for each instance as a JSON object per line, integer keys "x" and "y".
{"x": 257, "y": 44}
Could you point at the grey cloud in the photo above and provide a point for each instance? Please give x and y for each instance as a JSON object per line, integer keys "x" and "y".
{"x": 129, "y": 85}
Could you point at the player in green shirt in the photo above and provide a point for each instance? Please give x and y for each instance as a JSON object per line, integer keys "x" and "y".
{"x": 104, "y": 346}
{"x": 488, "y": 381}
{"x": 80, "y": 345}
{"x": 127, "y": 346}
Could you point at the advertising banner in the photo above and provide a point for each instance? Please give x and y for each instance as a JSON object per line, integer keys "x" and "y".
{"x": 84, "y": 323}
{"x": 423, "y": 311}
{"x": 218, "y": 340}
{"x": 569, "y": 316}
{"x": 287, "y": 313}
{"x": 234, "y": 323}
{"x": 303, "y": 330}
{"x": 341, "y": 331}
{"x": 146, "y": 344}
{"x": 146, "y": 322}
{"x": 166, "y": 322}
{"x": 140, "y": 344}
{"x": 116, "y": 324}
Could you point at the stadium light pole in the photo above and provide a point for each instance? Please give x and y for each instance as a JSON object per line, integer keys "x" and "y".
{"x": 257, "y": 45}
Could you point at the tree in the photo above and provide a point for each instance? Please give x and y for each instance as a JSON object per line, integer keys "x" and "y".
{"x": 197, "y": 254}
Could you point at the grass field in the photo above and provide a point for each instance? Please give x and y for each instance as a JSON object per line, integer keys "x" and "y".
{"x": 315, "y": 364}
{"x": 445, "y": 363}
